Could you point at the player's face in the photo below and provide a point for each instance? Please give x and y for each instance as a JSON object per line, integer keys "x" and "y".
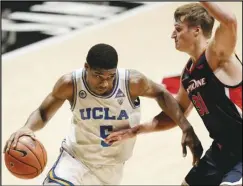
{"x": 100, "y": 81}
{"x": 183, "y": 36}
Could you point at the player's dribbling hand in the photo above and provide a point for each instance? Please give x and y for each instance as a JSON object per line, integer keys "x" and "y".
{"x": 190, "y": 139}
{"x": 24, "y": 131}
{"x": 120, "y": 135}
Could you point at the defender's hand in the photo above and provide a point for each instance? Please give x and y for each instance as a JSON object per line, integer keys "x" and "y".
{"x": 190, "y": 139}
{"x": 24, "y": 131}
{"x": 120, "y": 135}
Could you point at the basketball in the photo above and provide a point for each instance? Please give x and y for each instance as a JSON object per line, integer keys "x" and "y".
{"x": 27, "y": 160}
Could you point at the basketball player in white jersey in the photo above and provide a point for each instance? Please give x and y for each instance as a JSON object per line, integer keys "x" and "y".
{"x": 103, "y": 99}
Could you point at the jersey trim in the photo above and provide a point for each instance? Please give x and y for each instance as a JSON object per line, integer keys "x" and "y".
{"x": 193, "y": 64}
{"x": 206, "y": 62}
{"x": 116, "y": 82}
{"x": 74, "y": 90}
{"x": 238, "y": 58}
{"x": 232, "y": 183}
{"x": 127, "y": 73}
{"x": 54, "y": 178}
{"x": 234, "y": 96}
{"x": 224, "y": 85}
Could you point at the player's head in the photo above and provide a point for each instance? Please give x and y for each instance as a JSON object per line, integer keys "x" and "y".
{"x": 192, "y": 25}
{"x": 101, "y": 68}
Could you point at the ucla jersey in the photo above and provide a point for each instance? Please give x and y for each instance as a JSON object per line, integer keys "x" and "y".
{"x": 95, "y": 117}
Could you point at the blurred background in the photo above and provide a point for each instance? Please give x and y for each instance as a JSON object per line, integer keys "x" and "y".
{"x": 26, "y": 22}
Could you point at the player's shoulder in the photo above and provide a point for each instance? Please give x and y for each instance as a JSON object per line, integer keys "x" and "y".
{"x": 137, "y": 82}
{"x": 64, "y": 87}
{"x": 67, "y": 78}
{"x": 135, "y": 76}
{"x": 65, "y": 82}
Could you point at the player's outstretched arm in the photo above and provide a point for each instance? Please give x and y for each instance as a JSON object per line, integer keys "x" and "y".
{"x": 63, "y": 90}
{"x": 142, "y": 86}
{"x": 224, "y": 41}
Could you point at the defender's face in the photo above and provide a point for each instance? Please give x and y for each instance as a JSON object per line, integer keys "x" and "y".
{"x": 183, "y": 36}
{"x": 100, "y": 81}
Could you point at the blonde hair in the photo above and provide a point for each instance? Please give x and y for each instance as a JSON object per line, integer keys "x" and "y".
{"x": 195, "y": 15}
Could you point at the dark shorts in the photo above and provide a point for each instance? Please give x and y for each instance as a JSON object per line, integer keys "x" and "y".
{"x": 218, "y": 166}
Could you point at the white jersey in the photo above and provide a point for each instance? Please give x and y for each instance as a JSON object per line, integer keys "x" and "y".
{"x": 94, "y": 117}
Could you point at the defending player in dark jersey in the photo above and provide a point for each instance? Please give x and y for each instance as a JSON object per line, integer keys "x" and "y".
{"x": 211, "y": 82}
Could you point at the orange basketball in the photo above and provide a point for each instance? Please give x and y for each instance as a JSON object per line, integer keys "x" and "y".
{"x": 27, "y": 160}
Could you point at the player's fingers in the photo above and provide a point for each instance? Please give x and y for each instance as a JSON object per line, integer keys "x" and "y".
{"x": 196, "y": 155}
{"x": 112, "y": 135}
{"x": 199, "y": 150}
{"x": 6, "y": 146}
{"x": 111, "y": 139}
{"x": 10, "y": 142}
{"x": 33, "y": 136}
{"x": 111, "y": 142}
{"x": 195, "y": 161}
{"x": 184, "y": 151}
{"x": 107, "y": 141}
{"x": 183, "y": 144}
{"x": 15, "y": 140}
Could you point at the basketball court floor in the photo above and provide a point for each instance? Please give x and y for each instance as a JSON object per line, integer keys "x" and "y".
{"x": 143, "y": 42}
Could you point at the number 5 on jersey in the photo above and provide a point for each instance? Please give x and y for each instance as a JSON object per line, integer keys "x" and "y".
{"x": 104, "y": 132}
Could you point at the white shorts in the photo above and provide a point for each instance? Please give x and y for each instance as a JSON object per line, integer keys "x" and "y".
{"x": 67, "y": 170}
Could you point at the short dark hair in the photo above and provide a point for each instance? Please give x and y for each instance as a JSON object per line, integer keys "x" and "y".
{"x": 102, "y": 56}
{"x": 196, "y": 15}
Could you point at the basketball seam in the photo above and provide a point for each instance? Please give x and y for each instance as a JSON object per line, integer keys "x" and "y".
{"x": 32, "y": 153}
{"x": 23, "y": 163}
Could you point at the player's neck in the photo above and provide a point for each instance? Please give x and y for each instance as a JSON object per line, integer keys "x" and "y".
{"x": 197, "y": 50}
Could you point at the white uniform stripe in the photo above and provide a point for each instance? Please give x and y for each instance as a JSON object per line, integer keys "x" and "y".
{"x": 239, "y": 110}
{"x": 234, "y": 183}
{"x": 227, "y": 92}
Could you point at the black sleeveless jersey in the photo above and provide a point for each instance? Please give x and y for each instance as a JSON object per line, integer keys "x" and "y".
{"x": 219, "y": 105}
